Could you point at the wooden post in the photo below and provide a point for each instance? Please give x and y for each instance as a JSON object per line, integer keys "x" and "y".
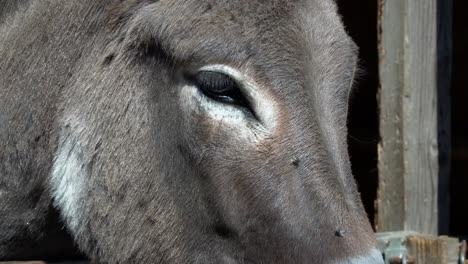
{"x": 412, "y": 76}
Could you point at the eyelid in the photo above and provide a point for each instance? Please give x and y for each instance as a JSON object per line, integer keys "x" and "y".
{"x": 223, "y": 69}
{"x": 246, "y": 85}
{"x": 221, "y": 87}
{"x": 215, "y": 78}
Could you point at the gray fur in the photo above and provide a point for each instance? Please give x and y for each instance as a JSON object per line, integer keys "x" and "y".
{"x": 90, "y": 108}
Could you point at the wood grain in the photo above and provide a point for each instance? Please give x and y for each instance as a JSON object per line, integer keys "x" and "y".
{"x": 433, "y": 250}
{"x": 391, "y": 209}
{"x": 420, "y": 144}
{"x": 413, "y": 178}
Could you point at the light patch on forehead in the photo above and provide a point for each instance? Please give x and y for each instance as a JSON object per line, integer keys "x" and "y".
{"x": 68, "y": 181}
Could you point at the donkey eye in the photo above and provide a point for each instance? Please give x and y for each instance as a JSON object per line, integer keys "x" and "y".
{"x": 220, "y": 87}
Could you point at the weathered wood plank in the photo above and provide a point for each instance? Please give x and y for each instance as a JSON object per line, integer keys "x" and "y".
{"x": 410, "y": 74}
{"x": 434, "y": 250}
{"x": 420, "y": 117}
{"x": 420, "y": 249}
{"x": 391, "y": 194}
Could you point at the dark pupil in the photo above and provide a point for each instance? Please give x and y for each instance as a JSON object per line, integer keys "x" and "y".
{"x": 220, "y": 87}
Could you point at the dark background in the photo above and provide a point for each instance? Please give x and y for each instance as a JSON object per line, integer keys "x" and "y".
{"x": 459, "y": 93}
{"x": 360, "y": 19}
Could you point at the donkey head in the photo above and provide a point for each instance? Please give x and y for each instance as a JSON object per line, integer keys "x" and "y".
{"x": 213, "y": 132}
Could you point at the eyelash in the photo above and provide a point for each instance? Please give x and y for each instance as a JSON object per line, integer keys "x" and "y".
{"x": 219, "y": 87}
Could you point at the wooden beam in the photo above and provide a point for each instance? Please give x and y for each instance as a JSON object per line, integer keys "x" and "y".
{"x": 413, "y": 187}
{"x": 434, "y": 250}
{"x": 390, "y": 204}
{"x": 417, "y": 248}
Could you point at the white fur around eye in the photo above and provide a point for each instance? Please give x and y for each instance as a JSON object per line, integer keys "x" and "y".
{"x": 260, "y": 100}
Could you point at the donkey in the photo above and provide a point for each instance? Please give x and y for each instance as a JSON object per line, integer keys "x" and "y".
{"x": 180, "y": 131}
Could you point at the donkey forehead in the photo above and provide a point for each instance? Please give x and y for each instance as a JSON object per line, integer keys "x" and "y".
{"x": 274, "y": 36}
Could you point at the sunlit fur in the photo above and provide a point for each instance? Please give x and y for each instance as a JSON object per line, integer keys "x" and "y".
{"x": 98, "y": 120}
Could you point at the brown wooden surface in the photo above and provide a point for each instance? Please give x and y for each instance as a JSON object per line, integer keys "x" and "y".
{"x": 421, "y": 249}
{"x": 409, "y": 48}
{"x": 433, "y": 250}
